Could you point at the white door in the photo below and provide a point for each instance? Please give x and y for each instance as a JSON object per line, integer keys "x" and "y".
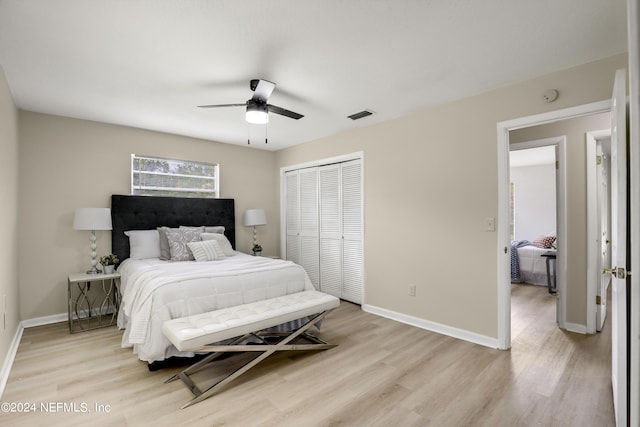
{"x": 341, "y": 254}
{"x": 330, "y": 231}
{"x": 633, "y": 13}
{"x": 352, "y": 256}
{"x": 309, "y": 257}
{"x": 301, "y": 195}
{"x": 603, "y": 221}
{"x": 292, "y": 225}
{"x": 619, "y": 377}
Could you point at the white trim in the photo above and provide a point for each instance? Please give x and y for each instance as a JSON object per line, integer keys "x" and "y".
{"x": 633, "y": 47}
{"x": 503, "y": 128}
{"x": 575, "y": 327}
{"x": 439, "y": 328}
{"x": 10, "y": 357}
{"x": 592, "y": 205}
{"x": 46, "y": 320}
{"x": 321, "y": 162}
{"x": 15, "y": 343}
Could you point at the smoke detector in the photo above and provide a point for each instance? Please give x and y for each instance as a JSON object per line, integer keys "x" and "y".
{"x": 550, "y": 95}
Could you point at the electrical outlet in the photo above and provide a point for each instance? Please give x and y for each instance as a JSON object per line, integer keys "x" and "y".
{"x": 412, "y": 290}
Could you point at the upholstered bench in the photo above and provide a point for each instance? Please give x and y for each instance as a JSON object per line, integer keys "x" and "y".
{"x": 241, "y": 323}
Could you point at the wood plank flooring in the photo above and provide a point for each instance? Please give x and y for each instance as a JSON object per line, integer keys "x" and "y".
{"x": 383, "y": 373}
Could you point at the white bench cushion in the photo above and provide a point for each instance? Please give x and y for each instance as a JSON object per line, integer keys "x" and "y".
{"x": 193, "y": 332}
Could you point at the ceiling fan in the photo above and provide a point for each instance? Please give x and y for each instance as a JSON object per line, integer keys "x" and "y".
{"x": 257, "y": 107}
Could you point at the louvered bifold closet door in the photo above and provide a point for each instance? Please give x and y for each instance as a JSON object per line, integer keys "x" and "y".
{"x": 309, "y": 257}
{"x": 352, "y": 231}
{"x": 330, "y": 230}
{"x": 292, "y": 204}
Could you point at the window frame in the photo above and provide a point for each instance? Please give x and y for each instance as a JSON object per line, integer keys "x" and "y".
{"x": 171, "y": 191}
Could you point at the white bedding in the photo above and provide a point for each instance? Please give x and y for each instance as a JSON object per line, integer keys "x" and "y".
{"x": 533, "y": 267}
{"x": 154, "y": 291}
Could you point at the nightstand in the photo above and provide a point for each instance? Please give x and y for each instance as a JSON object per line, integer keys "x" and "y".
{"x": 93, "y": 301}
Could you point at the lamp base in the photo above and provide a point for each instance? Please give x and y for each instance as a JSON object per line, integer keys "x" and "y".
{"x": 94, "y": 270}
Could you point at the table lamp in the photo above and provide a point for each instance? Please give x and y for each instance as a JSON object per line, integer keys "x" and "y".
{"x": 92, "y": 219}
{"x": 253, "y": 217}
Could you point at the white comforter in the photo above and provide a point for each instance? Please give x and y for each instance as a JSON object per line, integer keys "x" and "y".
{"x": 154, "y": 291}
{"x": 533, "y": 267}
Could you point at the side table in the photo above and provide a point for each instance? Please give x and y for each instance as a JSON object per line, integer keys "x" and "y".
{"x": 92, "y": 307}
{"x": 551, "y": 278}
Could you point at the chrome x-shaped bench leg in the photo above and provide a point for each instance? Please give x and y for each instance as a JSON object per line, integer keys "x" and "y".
{"x": 266, "y": 349}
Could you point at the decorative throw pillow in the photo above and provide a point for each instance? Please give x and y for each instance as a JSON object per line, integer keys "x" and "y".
{"x": 544, "y": 242}
{"x": 192, "y": 227}
{"x": 165, "y": 252}
{"x": 143, "y": 244}
{"x": 206, "y": 250}
{"x": 178, "y": 240}
{"x": 222, "y": 240}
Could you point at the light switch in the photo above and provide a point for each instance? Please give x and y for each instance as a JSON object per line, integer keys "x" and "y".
{"x": 490, "y": 224}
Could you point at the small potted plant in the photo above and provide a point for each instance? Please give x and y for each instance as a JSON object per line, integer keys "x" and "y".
{"x": 257, "y": 249}
{"x": 109, "y": 263}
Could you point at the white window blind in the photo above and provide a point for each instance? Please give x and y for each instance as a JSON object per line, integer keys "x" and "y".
{"x": 156, "y": 176}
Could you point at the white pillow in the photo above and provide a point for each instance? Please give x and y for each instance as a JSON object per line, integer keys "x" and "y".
{"x": 214, "y": 229}
{"x": 206, "y": 250}
{"x": 222, "y": 240}
{"x": 143, "y": 244}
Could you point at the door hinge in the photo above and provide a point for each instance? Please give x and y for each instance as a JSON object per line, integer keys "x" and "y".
{"x": 598, "y": 300}
{"x": 598, "y": 160}
{"x": 557, "y": 165}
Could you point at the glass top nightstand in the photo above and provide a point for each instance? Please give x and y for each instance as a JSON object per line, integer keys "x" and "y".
{"x": 93, "y": 301}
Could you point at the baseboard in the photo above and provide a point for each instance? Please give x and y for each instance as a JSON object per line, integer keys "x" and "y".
{"x": 15, "y": 343}
{"x": 11, "y": 355}
{"x": 46, "y": 320}
{"x": 576, "y": 327}
{"x": 433, "y": 326}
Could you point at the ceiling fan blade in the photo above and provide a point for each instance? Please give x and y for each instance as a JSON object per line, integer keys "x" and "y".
{"x": 284, "y": 112}
{"x": 263, "y": 91}
{"x": 223, "y": 105}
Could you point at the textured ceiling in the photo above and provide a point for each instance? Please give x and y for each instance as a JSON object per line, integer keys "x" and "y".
{"x": 149, "y": 63}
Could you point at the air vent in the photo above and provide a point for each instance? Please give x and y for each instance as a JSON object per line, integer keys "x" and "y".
{"x": 361, "y": 114}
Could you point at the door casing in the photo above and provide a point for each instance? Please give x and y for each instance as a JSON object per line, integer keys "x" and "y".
{"x": 504, "y": 280}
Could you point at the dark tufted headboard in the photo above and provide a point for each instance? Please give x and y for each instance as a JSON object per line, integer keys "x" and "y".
{"x": 149, "y": 212}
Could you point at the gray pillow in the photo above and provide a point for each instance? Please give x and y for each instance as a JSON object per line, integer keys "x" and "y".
{"x": 165, "y": 252}
{"x": 178, "y": 240}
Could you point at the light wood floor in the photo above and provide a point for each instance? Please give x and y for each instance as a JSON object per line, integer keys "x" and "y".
{"x": 383, "y": 373}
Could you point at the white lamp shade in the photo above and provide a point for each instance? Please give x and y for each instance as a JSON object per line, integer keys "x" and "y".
{"x": 254, "y": 217}
{"x": 92, "y": 219}
{"x": 257, "y": 112}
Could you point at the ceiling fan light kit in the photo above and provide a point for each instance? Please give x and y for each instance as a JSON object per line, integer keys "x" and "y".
{"x": 257, "y": 108}
{"x": 257, "y": 113}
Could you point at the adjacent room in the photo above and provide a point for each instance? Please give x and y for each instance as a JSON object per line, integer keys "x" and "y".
{"x": 290, "y": 213}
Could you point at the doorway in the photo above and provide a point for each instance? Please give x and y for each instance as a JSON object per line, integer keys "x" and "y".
{"x": 538, "y": 214}
{"x": 598, "y": 165}
{"x": 504, "y": 282}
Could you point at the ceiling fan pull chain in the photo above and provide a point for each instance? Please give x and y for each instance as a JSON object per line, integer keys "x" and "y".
{"x": 266, "y": 133}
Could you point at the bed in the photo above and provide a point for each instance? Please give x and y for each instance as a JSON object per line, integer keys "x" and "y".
{"x": 529, "y": 261}
{"x": 154, "y": 290}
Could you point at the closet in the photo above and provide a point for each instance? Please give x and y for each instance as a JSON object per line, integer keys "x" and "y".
{"x": 323, "y": 209}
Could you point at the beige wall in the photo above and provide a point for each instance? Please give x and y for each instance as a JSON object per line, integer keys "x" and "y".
{"x": 67, "y": 163}
{"x": 9, "y": 294}
{"x": 574, "y": 130}
{"x": 430, "y": 180}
